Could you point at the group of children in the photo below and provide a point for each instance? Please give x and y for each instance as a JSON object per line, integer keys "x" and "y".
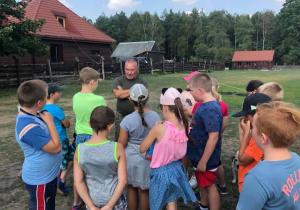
{"x": 150, "y": 157}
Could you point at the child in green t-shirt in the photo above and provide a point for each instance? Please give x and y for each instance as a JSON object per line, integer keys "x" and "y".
{"x": 84, "y": 103}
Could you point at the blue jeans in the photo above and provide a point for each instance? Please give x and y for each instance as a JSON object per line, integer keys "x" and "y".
{"x": 81, "y": 138}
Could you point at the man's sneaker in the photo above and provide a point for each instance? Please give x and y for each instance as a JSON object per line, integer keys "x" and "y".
{"x": 20, "y": 174}
{"x": 61, "y": 189}
{"x": 78, "y": 206}
{"x": 193, "y": 182}
{"x": 222, "y": 190}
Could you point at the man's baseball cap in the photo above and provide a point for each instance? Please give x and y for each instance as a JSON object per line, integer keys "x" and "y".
{"x": 250, "y": 103}
{"x": 169, "y": 95}
{"x": 138, "y": 90}
{"x": 188, "y": 77}
{"x": 52, "y": 88}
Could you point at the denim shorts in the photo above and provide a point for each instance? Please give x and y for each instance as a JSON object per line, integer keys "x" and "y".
{"x": 81, "y": 138}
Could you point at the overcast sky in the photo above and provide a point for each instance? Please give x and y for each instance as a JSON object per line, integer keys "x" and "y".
{"x": 93, "y": 8}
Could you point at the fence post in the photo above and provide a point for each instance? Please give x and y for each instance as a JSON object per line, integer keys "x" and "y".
{"x": 174, "y": 64}
{"x": 17, "y": 70}
{"x": 120, "y": 61}
{"x": 102, "y": 63}
{"x": 151, "y": 65}
{"x": 192, "y": 66}
{"x": 199, "y": 65}
{"x": 50, "y": 71}
{"x": 138, "y": 62}
{"x": 204, "y": 65}
{"x": 163, "y": 64}
{"x": 182, "y": 67}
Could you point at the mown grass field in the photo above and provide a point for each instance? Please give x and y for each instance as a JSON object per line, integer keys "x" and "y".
{"x": 13, "y": 194}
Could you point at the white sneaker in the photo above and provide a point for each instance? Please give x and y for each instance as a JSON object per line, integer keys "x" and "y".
{"x": 193, "y": 182}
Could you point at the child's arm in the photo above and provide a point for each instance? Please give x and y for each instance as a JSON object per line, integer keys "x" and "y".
{"x": 224, "y": 124}
{"x": 79, "y": 183}
{"x": 152, "y": 135}
{"x": 65, "y": 122}
{"x": 209, "y": 148}
{"x": 243, "y": 158}
{"x": 123, "y": 137}
{"x": 54, "y": 145}
{"x": 122, "y": 179}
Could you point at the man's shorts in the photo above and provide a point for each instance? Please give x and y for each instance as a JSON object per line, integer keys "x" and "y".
{"x": 42, "y": 196}
{"x": 68, "y": 154}
{"x": 207, "y": 178}
{"x": 81, "y": 138}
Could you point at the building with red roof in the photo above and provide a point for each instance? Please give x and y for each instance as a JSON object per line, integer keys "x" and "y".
{"x": 253, "y": 59}
{"x": 69, "y": 36}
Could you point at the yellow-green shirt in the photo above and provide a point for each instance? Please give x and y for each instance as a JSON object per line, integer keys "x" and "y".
{"x": 83, "y": 105}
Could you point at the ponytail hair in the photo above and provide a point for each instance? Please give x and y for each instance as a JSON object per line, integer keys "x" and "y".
{"x": 179, "y": 113}
{"x": 141, "y": 104}
{"x": 214, "y": 90}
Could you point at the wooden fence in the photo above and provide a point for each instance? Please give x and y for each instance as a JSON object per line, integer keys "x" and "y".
{"x": 14, "y": 75}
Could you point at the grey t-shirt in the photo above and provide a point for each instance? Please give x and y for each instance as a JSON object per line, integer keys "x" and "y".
{"x": 123, "y": 105}
{"x": 132, "y": 123}
{"x": 100, "y": 165}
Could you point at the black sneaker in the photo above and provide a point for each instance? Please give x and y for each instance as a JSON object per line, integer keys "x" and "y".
{"x": 222, "y": 190}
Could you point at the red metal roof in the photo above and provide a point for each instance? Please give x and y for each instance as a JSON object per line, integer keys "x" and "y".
{"x": 76, "y": 28}
{"x": 248, "y": 56}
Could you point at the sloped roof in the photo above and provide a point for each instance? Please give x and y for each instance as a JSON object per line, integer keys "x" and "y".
{"x": 76, "y": 28}
{"x": 248, "y": 56}
{"x": 131, "y": 49}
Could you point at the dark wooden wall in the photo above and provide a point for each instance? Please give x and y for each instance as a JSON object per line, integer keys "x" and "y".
{"x": 71, "y": 50}
{"x": 254, "y": 65}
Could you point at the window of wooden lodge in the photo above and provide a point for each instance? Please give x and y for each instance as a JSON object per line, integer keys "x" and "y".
{"x": 56, "y": 53}
{"x": 239, "y": 63}
{"x": 248, "y": 63}
{"x": 61, "y": 20}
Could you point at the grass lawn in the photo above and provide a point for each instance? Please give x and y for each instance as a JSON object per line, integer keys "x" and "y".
{"x": 13, "y": 194}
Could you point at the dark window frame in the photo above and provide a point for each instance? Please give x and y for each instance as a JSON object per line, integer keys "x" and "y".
{"x": 56, "y": 53}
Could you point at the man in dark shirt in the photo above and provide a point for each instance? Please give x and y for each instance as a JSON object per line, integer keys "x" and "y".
{"x": 121, "y": 88}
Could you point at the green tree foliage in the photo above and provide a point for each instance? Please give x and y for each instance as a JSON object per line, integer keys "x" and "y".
{"x": 288, "y": 27}
{"x": 215, "y": 36}
{"x": 87, "y": 20}
{"x": 17, "y": 33}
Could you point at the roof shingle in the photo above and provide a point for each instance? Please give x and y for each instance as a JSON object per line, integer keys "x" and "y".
{"x": 248, "y": 56}
{"x": 76, "y": 28}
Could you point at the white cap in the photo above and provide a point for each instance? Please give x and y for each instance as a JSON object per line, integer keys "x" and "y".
{"x": 168, "y": 97}
{"x": 138, "y": 90}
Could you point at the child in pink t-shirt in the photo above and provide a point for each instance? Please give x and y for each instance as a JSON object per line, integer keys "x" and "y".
{"x": 168, "y": 180}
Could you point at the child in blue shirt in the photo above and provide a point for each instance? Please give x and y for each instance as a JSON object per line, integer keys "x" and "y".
{"x": 206, "y": 131}
{"x": 61, "y": 123}
{"x": 39, "y": 140}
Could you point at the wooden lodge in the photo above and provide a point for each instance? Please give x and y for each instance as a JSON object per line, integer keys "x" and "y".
{"x": 253, "y": 59}
{"x": 71, "y": 39}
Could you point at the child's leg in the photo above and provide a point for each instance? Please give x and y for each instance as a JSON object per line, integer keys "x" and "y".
{"x": 144, "y": 198}
{"x": 64, "y": 173}
{"x": 132, "y": 197}
{"x": 203, "y": 197}
{"x": 220, "y": 175}
{"x": 213, "y": 197}
{"x": 172, "y": 205}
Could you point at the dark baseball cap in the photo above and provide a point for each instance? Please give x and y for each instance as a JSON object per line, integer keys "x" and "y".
{"x": 250, "y": 103}
{"x": 52, "y": 88}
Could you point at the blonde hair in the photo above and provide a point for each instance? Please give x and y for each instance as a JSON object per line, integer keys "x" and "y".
{"x": 87, "y": 74}
{"x": 215, "y": 88}
{"x": 279, "y": 121}
{"x": 201, "y": 81}
{"x": 273, "y": 90}
{"x": 32, "y": 91}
